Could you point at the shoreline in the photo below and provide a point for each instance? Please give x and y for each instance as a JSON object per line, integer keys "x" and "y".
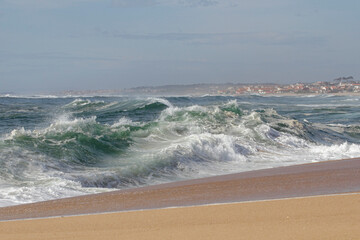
{"x": 349, "y": 194}
{"x": 311, "y": 179}
{"x": 309, "y": 201}
{"x": 320, "y": 217}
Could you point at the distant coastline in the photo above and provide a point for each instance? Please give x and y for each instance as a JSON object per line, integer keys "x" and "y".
{"x": 336, "y": 87}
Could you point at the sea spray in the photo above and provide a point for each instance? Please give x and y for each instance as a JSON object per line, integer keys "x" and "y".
{"x": 59, "y": 147}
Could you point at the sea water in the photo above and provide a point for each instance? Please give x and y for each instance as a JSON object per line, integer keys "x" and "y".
{"x": 53, "y": 147}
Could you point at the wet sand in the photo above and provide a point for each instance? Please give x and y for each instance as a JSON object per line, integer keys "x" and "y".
{"x": 342, "y": 176}
{"x": 326, "y": 217}
{"x": 329, "y": 217}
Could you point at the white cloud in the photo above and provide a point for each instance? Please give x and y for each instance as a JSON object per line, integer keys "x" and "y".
{"x": 116, "y": 3}
{"x": 199, "y": 3}
{"x": 186, "y": 3}
{"x": 147, "y": 3}
{"x": 244, "y": 4}
{"x": 46, "y": 3}
{"x": 257, "y": 38}
{"x": 134, "y": 3}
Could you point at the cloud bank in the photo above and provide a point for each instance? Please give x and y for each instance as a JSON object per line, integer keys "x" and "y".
{"x": 147, "y": 3}
{"x": 184, "y": 3}
{"x": 46, "y": 3}
{"x": 260, "y": 38}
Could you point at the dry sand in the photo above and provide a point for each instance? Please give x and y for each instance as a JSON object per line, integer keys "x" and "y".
{"x": 322, "y": 217}
{"x": 327, "y": 217}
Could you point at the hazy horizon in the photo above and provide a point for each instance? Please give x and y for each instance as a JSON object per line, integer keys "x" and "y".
{"x": 52, "y": 45}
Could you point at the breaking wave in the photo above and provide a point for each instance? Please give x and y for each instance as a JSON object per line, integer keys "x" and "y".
{"x": 98, "y": 145}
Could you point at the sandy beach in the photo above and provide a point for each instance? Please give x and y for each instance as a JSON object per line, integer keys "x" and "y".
{"x": 330, "y": 217}
{"x": 299, "y": 211}
{"x": 179, "y": 120}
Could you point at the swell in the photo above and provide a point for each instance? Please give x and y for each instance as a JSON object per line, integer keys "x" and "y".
{"x": 105, "y": 111}
{"x": 96, "y": 145}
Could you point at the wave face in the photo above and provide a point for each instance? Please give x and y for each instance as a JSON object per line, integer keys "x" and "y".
{"x": 61, "y": 147}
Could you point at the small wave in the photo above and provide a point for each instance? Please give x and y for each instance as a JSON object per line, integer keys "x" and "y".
{"x": 352, "y": 99}
{"x": 335, "y": 151}
{"x": 101, "y": 108}
{"x": 161, "y": 100}
{"x": 45, "y": 96}
{"x": 73, "y": 141}
{"x": 317, "y": 96}
{"x": 95, "y": 144}
{"x": 80, "y": 104}
{"x": 123, "y": 122}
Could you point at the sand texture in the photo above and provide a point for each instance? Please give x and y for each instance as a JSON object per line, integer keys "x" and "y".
{"x": 330, "y": 177}
{"x": 334, "y": 216}
{"x": 327, "y": 217}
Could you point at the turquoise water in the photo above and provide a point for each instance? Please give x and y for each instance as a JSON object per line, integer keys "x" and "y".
{"x": 59, "y": 147}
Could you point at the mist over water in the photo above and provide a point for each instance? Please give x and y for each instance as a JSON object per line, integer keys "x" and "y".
{"x": 60, "y": 147}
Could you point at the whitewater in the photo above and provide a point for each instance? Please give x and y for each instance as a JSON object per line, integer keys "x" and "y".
{"x": 54, "y": 147}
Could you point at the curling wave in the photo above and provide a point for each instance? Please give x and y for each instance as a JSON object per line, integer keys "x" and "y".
{"x": 94, "y": 145}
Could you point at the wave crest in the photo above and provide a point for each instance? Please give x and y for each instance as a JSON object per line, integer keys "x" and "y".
{"x": 97, "y": 144}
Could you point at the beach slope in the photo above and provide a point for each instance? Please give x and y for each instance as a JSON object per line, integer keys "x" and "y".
{"x": 342, "y": 176}
{"x": 309, "y": 201}
{"x": 324, "y": 217}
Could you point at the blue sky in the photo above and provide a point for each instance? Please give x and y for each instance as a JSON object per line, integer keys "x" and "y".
{"x": 56, "y": 45}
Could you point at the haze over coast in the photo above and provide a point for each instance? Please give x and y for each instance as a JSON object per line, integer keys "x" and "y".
{"x": 54, "y": 46}
{"x": 179, "y": 119}
{"x": 343, "y": 85}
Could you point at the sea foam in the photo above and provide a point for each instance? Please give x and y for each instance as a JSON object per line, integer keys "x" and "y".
{"x": 90, "y": 145}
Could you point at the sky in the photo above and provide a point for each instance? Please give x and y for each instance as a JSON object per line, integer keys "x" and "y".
{"x": 57, "y": 45}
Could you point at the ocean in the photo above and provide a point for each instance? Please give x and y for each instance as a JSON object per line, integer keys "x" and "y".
{"x": 55, "y": 147}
